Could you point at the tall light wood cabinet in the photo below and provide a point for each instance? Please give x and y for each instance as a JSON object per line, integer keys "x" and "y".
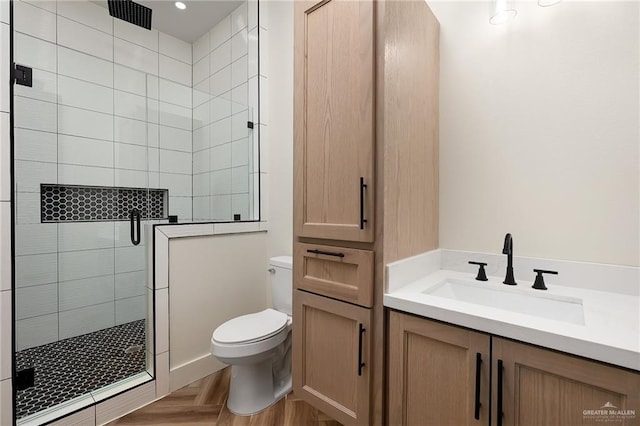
{"x": 365, "y": 187}
{"x": 439, "y": 375}
{"x": 334, "y": 119}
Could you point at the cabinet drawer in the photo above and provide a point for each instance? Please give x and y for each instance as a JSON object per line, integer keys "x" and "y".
{"x": 338, "y": 272}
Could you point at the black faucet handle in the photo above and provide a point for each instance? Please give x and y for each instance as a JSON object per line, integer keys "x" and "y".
{"x": 538, "y": 284}
{"x": 482, "y": 275}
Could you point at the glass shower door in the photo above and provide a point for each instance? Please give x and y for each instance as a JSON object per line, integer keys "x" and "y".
{"x": 82, "y": 160}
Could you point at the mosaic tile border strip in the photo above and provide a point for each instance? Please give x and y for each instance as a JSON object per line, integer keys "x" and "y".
{"x": 69, "y": 368}
{"x": 74, "y": 203}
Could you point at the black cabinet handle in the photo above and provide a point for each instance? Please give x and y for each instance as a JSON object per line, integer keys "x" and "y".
{"x": 360, "y": 362}
{"x": 363, "y": 186}
{"x": 135, "y": 228}
{"x": 477, "y": 402}
{"x": 500, "y": 413}
{"x": 326, "y": 253}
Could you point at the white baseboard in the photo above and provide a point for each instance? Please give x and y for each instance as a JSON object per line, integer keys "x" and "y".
{"x": 196, "y": 369}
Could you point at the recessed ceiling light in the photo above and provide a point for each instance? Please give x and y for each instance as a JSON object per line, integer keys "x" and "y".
{"x": 181, "y": 5}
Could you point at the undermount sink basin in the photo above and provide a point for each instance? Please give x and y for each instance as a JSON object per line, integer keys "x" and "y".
{"x": 559, "y": 308}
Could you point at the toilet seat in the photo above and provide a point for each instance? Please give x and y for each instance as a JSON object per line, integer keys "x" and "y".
{"x": 251, "y": 328}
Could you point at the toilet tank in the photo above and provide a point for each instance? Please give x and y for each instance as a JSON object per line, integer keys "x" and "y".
{"x": 282, "y": 283}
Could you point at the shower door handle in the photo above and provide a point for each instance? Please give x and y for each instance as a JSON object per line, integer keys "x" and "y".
{"x": 135, "y": 227}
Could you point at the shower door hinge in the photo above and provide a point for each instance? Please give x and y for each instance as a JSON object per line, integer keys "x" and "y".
{"x": 25, "y": 378}
{"x": 22, "y": 75}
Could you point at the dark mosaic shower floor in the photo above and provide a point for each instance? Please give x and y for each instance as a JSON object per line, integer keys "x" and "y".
{"x": 73, "y": 367}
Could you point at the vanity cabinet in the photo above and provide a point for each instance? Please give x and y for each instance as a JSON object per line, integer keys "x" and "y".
{"x": 434, "y": 379}
{"x": 331, "y": 353}
{"x": 438, "y": 374}
{"x": 544, "y": 387}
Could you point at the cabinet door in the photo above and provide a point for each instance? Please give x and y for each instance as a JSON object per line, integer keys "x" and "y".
{"x": 331, "y": 353}
{"x": 338, "y": 272}
{"x": 543, "y": 387}
{"x": 333, "y": 130}
{"x": 438, "y": 374}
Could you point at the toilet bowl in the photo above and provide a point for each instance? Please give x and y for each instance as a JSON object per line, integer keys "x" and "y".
{"x": 258, "y": 348}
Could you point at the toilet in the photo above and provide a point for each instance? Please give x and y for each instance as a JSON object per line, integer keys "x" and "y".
{"x": 258, "y": 348}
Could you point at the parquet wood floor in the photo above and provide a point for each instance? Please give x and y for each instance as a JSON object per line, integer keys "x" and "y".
{"x": 204, "y": 403}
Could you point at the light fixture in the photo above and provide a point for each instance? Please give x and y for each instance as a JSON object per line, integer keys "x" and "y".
{"x": 180, "y": 5}
{"x": 546, "y": 3}
{"x": 502, "y": 12}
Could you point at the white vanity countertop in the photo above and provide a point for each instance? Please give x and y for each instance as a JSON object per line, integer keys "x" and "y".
{"x": 610, "y": 333}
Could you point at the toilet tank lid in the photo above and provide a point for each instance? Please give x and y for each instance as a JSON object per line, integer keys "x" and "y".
{"x": 281, "y": 261}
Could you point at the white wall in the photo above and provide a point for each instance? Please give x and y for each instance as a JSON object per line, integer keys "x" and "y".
{"x": 539, "y": 130}
{"x": 211, "y": 280}
{"x": 279, "y": 162}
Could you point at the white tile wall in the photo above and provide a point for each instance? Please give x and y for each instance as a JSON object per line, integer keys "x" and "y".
{"x": 135, "y": 56}
{"x": 175, "y": 162}
{"x": 129, "y": 259}
{"x": 175, "y": 116}
{"x": 130, "y": 309}
{"x": 85, "y": 320}
{"x": 35, "y": 21}
{"x": 131, "y": 157}
{"x": 85, "y": 292}
{"x": 81, "y": 122}
{"x": 36, "y": 269}
{"x": 129, "y": 80}
{"x": 130, "y": 131}
{"x": 36, "y": 331}
{"x": 175, "y": 70}
{"x": 84, "y": 236}
{"x": 130, "y": 105}
{"x": 129, "y": 284}
{"x": 80, "y": 37}
{"x": 37, "y": 238}
{"x": 138, "y": 35}
{"x": 84, "y": 67}
{"x": 44, "y": 87}
{"x": 30, "y": 174}
{"x": 5, "y": 176}
{"x": 6, "y": 402}
{"x": 174, "y": 93}
{"x": 84, "y": 175}
{"x": 84, "y": 151}
{"x": 175, "y": 48}
{"x": 84, "y": 264}
{"x": 34, "y": 114}
{"x": 36, "y": 300}
{"x": 175, "y": 139}
{"x": 233, "y": 59}
{"x": 87, "y": 14}
{"x": 31, "y": 145}
{"x": 5, "y": 334}
{"x": 34, "y": 52}
{"x": 5, "y": 245}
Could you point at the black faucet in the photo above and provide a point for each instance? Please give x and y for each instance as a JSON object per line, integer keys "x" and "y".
{"x": 508, "y": 250}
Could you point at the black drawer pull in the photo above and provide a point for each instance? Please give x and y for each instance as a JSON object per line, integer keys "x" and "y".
{"x": 363, "y": 186}
{"x": 360, "y": 362}
{"x": 477, "y": 401}
{"x": 500, "y": 413}
{"x": 326, "y": 253}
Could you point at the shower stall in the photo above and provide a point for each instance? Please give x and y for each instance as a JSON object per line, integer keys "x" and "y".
{"x": 116, "y": 128}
